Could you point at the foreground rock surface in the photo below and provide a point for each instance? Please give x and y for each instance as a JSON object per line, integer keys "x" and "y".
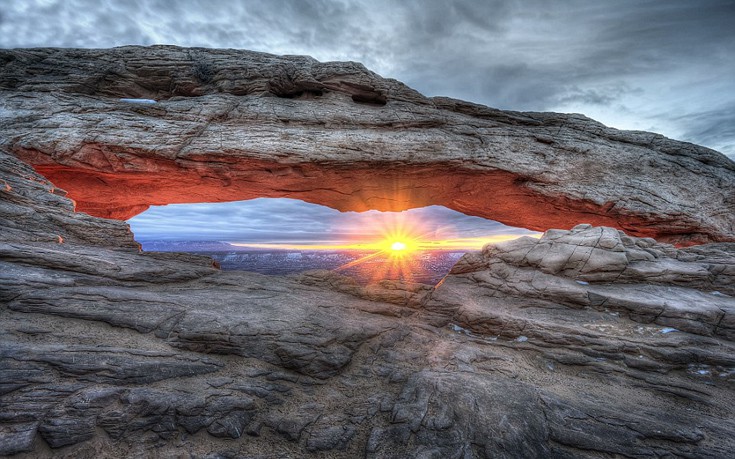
{"x": 585, "y": 343}
{"x": 231, "y": 125}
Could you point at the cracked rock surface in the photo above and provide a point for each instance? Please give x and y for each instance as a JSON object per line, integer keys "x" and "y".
{"x": 231, "y": 124}
{"x": 585, "y": 343}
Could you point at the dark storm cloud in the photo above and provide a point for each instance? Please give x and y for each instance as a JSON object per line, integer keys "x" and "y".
{"x": 712, "y": 127}
{"x": 621, "y": 62}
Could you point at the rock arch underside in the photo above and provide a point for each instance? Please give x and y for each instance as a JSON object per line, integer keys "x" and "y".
{"x": 232, "y": 125}
{"x": 610, "y": 336}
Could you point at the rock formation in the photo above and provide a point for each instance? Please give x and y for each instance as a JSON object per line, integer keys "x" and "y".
{"x": 585, "y": 343}
{"x": 231, "y": 125}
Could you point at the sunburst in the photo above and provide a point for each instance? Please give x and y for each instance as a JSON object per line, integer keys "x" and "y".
{"x": 398, "y": 246}
{"x": 398, "y": 243}
{"x": 393, "y": 246}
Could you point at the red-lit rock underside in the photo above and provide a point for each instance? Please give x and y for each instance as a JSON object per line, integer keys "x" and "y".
{"x": 256, "y": 125}
{"x": 497, "y": 195}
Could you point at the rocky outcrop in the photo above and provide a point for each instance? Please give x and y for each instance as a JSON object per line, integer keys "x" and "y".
{"x": 34, "y": 210}
{"x": 585, "y": 343}
{"x": 603, "y": 269}
{"x": 402, "y": 293}
{"x": 230, "y": 125}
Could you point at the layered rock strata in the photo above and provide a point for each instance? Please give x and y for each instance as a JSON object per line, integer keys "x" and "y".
{"x": 585, "y": 343}
{"x": 230, "y": 125}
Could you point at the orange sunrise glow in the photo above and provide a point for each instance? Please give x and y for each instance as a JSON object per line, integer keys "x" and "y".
{"x": 394, "y": 234}
{"x": 466, "y": 243}
{"x": 392, "y": 243}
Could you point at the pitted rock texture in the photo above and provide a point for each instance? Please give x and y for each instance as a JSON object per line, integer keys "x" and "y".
{"x": 232, "y": 125}
{"x": 585, "y": 343}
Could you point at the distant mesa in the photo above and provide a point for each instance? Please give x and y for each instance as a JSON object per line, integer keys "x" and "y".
{"x": 232, "y": 125}
{"x": 187, "y": 246}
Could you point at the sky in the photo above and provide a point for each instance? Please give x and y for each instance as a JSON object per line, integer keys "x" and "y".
{"x": 268, "y": 222}
{"x": 661, "y": 66}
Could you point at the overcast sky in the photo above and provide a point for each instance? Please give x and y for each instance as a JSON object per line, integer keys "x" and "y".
{"x": 663, "y": 66}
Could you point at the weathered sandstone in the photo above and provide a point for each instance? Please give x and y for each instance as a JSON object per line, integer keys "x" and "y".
{"x": 231, "y": 125}
{"x": 586, "y": 343}
{"x": 589, "y": 342}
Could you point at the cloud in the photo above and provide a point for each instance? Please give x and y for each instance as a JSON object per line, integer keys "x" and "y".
{"x": 712, "y": 127}
{"x": 621, "y": 62}
{"x": 282, "y": 220}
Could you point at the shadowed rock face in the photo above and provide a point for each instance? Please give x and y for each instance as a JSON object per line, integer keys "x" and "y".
{"x": 232, "y": 125}
{"x": 585, "y": 343}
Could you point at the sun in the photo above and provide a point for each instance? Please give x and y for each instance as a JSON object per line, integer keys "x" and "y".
{"x": 397, "y": 246}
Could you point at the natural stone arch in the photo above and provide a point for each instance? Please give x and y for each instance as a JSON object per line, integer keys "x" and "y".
{"x": 233, "y": 125}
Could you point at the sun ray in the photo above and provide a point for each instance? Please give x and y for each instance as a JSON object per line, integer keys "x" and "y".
{"x": 459, "y": 244}
{"x": 391, "y": 247}
{"x": 358, "y": 261}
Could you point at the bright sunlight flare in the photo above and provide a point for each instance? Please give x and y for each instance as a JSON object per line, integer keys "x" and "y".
{"x": 400, "y": 241}
{"x": 398, "y": 246}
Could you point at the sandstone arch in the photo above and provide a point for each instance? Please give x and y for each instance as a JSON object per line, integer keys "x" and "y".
{"x": 233, "y": 125}
{"x": 163, "y": 353}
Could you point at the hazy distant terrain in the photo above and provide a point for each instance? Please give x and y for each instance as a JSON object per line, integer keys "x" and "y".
{"x": 427, "y": 267}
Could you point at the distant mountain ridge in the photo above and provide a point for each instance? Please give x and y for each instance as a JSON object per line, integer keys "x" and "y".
{"x": 188, "y": 246}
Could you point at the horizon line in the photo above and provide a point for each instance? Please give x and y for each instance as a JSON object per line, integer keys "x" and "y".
{"x": 472, "y": 243}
